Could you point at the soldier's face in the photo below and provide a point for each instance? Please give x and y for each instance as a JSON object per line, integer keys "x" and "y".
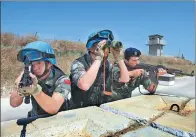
{"x": 106, "y": 52}
{"x": 133, "y": 61}
{"x": 94, "y": 47}
{"x": 38, "y": 67}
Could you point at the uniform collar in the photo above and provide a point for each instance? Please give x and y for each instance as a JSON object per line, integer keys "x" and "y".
{"x": 50, "y": 78}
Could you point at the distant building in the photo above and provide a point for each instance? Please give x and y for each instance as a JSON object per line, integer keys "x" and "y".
{"x": 156, "y": 43}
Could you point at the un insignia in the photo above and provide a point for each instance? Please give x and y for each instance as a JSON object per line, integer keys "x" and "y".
{"x": 135, "y": 53}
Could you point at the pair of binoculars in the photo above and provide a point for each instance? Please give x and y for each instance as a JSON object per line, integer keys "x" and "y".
{"x": 114, "y": 44}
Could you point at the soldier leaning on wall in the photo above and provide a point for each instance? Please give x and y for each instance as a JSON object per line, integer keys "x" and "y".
{"x": 137, "y": 76}
{"x": 50, "y": 88}
{"x": 91, "y": 74}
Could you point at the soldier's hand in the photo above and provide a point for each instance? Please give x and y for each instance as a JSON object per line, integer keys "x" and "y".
{"x": 117, "y": 51}
{"x": 137, "y": 72}
{"x": 152, "y": 88}
{"x": 17, "y": 81}
{"x": 33, "y": 89}
{"x": 16, "y": 85}
{"x": 161, "y": 71}
{"x": 23, "y": 94}
{"x": 99, "y": 52}
{"x": 118, "y": 54}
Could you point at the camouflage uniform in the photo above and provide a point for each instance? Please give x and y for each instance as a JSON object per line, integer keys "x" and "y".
{"x": 124, "y": 90}
{"x": 57, "y": 81}
{"x": 93, "y": 96}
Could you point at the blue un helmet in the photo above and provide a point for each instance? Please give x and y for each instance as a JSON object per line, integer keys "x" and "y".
{"x": 131, "y": 52}
{"x": 99, "y": 36}
{"x": 37, "y": 51}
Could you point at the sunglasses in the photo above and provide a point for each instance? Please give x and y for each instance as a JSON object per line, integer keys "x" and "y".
{"x": 104, "y": 34}
{"x": 33, "y": 55}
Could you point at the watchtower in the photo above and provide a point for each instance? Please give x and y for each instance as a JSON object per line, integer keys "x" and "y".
{"x": 156, "y": 43}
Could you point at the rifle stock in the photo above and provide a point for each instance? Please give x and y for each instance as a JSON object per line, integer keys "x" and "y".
{"x": 25, "y": 121}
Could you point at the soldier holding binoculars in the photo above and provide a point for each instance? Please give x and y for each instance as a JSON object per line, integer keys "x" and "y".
{"x": 91, "y": 74}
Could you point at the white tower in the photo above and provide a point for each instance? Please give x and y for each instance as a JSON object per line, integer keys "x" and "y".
{"x": 156, "y": 43}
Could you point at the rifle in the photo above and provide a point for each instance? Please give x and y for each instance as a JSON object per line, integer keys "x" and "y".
{"x": 149, "y": 67}
{"x": 153, "y": 70}
{"x": 26, "y": 79}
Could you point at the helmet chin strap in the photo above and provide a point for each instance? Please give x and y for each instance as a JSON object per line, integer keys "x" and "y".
{"x": 45, "y": 71}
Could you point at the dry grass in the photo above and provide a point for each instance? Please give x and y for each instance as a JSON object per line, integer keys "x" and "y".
{"x": 169, "y": 62}
{"x": 10, "y": 39}
{"x": 64, "y": 62}
{"x": 10, "y": 69}
{"x": 61, "y": 45}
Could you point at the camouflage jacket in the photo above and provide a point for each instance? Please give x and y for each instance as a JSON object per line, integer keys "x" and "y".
{"x": 124, "y": 90}
{"x": 93, "y": 96}
{"x": 54, "y": 83}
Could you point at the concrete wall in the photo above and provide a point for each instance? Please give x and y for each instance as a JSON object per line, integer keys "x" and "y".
{"x": 146, "y": 116}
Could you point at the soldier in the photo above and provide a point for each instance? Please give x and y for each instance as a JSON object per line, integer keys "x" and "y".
{"x": 91, "y": 73}
{"x": 50, "y": 89}
{"x": 137, "y": 76}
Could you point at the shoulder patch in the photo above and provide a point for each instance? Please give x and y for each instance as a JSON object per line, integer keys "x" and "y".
{"x": 67, "y": 81}
{"x": 74, "y": 66}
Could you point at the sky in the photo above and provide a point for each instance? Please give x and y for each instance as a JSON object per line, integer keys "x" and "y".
{"x": 131, "y": 22}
